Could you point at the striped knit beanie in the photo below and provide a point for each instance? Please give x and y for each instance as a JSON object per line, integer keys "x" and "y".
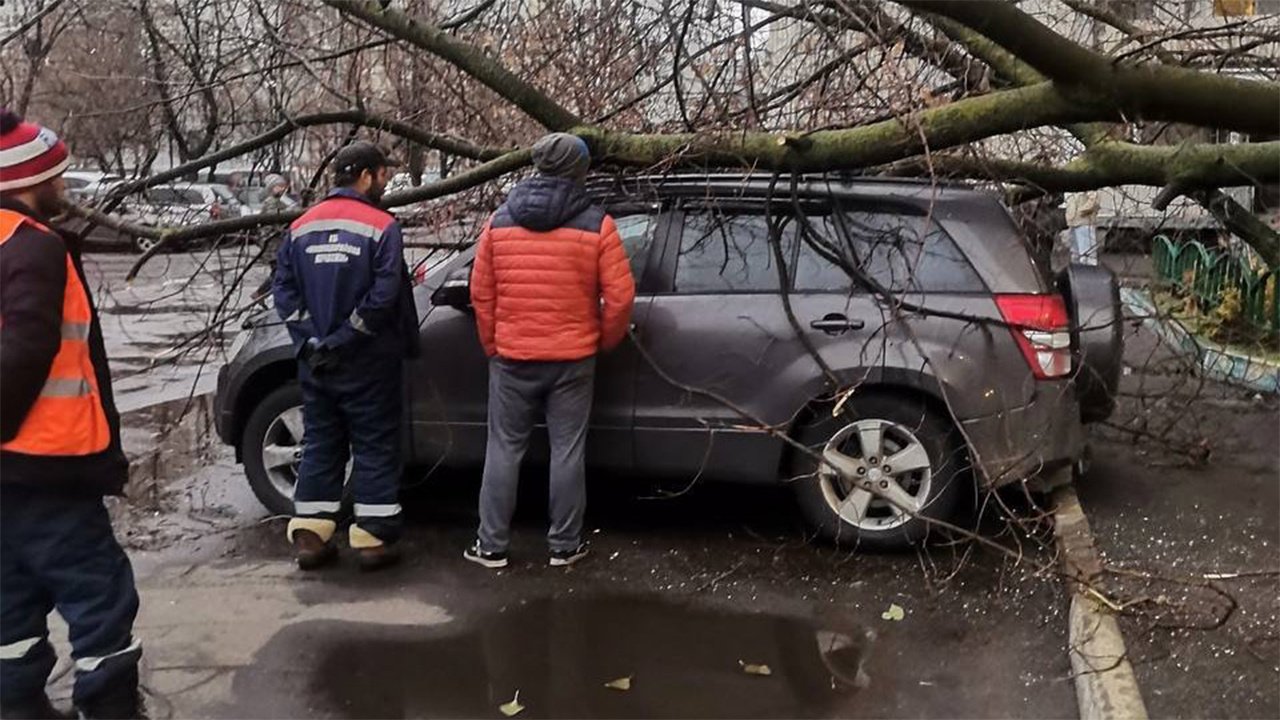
{"x": 29, "y": 154}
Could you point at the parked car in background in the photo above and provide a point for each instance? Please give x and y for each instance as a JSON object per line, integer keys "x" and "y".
{"x": 952, "y": 359}
{"x": 414, "y": 213}
{"x": 179, "y": 205}
{"x": 85, "y": 185}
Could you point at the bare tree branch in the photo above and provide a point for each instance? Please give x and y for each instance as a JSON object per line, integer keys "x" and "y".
{"x": 445, "y": 143}
{"x": 1152, "y": 91}
{"x": 31, "y": 22}
{"x": 1108, "y": 164}
{"x": 478, "y": 175}
{"x": 466, "y": 57}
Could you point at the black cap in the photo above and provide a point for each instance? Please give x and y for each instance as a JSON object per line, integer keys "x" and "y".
{"x": 360, "y": 156}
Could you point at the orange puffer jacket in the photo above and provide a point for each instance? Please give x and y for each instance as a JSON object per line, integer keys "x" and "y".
{"x": 551, "y": 280}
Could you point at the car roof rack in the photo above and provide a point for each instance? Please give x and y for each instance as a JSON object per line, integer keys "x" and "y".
{"x": 751, "y": 183}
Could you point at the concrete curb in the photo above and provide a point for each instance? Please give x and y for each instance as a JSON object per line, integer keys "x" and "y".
{"x": 1106, "y": 688}
{"x": 1215, "y": 361}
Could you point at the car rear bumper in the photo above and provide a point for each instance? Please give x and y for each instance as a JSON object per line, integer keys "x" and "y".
{"x": 1020, "y": 443}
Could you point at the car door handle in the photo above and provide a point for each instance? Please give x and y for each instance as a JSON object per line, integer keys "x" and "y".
{"x": 836, "y": 324}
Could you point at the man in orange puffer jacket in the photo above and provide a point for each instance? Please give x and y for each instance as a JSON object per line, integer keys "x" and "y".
{"x": 551, "y": 287}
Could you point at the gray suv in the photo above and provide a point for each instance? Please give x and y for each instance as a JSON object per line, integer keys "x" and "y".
{"x": 899, "y": 329}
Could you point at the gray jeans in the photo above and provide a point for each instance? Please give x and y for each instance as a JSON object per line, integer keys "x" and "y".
{"x": 520, "y": 394}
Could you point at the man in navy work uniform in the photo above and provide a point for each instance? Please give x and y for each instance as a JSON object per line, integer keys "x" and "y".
{"x": 343, "y": 290}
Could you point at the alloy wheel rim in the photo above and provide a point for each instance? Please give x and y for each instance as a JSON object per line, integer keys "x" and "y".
{"x": 282, "y": 450}
{"x": 876, "y": 474}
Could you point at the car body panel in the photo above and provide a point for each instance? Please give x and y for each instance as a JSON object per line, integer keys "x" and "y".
{"x": 181, "y": 204}
{"x": 448, "y": 395}
{"x": 950, "y": 348}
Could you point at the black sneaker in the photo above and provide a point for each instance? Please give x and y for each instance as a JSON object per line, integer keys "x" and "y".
{"x": 36, "y": 707}
{"x": 491, "y": 560}
{"x": 116, "y": 704}
{"x": 565, "y": 558}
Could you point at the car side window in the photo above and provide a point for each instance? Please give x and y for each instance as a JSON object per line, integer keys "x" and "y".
{"x": 904, "y": 253}
{"x": 636, "y": 233}
{"x": 729, "y": 252}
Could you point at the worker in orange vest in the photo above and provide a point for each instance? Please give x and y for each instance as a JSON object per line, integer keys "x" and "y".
{"x": 59, "y": 454}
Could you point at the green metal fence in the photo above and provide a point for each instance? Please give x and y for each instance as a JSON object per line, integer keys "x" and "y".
{"x": 1208, "y": 274}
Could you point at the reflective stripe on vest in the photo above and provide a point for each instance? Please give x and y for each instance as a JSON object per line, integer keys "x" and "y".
{"x": 67, "y": 418}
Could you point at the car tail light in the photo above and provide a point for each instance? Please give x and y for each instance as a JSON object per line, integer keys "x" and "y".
{"x": 215, "y": 211}
{"x": 1042, "y": 329}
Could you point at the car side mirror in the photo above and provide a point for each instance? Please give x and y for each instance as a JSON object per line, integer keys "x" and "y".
{"x": 455, "y": 292}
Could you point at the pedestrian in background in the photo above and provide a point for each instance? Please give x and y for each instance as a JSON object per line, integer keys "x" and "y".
{"x": 59, "y": 454}
{"x": 551, "y": 287}
{"x": 275, "y": 200}
{"x": 1082, "y": 227}
{"x": 343, "y": 290}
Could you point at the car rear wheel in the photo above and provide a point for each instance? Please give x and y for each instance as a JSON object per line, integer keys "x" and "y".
{"x": 272, "y": 447}
{"x": 892, "y": 464}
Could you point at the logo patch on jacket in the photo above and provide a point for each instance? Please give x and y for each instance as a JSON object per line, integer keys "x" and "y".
{"x": 333, "y": 251}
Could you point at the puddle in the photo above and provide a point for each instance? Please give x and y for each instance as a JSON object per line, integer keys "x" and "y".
{"x": 684, "y": 662}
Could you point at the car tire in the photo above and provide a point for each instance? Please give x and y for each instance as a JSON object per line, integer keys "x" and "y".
{"x": 936, "y": 475}
{"x": 266, "y": 426}
{"x": 1092, "y": 294}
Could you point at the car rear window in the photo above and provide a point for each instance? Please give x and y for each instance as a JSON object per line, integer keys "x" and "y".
{"x": 902, "y": 252}
{"x": 728, "y": 252}
{"x": 725, "y": 249}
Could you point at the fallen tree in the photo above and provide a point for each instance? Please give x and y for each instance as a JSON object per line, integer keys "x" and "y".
{"x": 1042, "y": 80}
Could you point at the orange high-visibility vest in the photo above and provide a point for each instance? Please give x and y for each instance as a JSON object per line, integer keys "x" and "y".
{"x": 67, "y": 418}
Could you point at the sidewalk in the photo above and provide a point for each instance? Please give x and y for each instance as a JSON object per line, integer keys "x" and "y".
{"x": 1209, "y": 514}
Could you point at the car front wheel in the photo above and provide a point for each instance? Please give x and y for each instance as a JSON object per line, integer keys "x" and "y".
{"x": 272, "y": 447}
{"x": 891, "y": 466}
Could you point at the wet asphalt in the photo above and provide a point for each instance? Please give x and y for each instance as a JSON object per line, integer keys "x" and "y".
{"x": 682, "y": 590}
{"x": 677, "y": 594}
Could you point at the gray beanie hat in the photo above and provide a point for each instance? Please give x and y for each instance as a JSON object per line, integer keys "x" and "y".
{"x": 561, "y": 155}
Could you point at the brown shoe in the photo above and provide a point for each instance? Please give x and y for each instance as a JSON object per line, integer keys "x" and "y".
{"x": 311, "y": 552}
{"x": 377, "y": 558}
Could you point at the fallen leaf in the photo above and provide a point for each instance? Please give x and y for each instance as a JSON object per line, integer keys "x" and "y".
{"x": 895, "y": 613}
{"x": 755, "y": 669}
{"x": 622, "y": 683}
{"x": 512, "y": 708}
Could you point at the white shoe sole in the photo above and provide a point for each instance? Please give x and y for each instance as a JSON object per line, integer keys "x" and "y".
{"x": 491, "y": 564}
{"x": 566, "y": 562}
